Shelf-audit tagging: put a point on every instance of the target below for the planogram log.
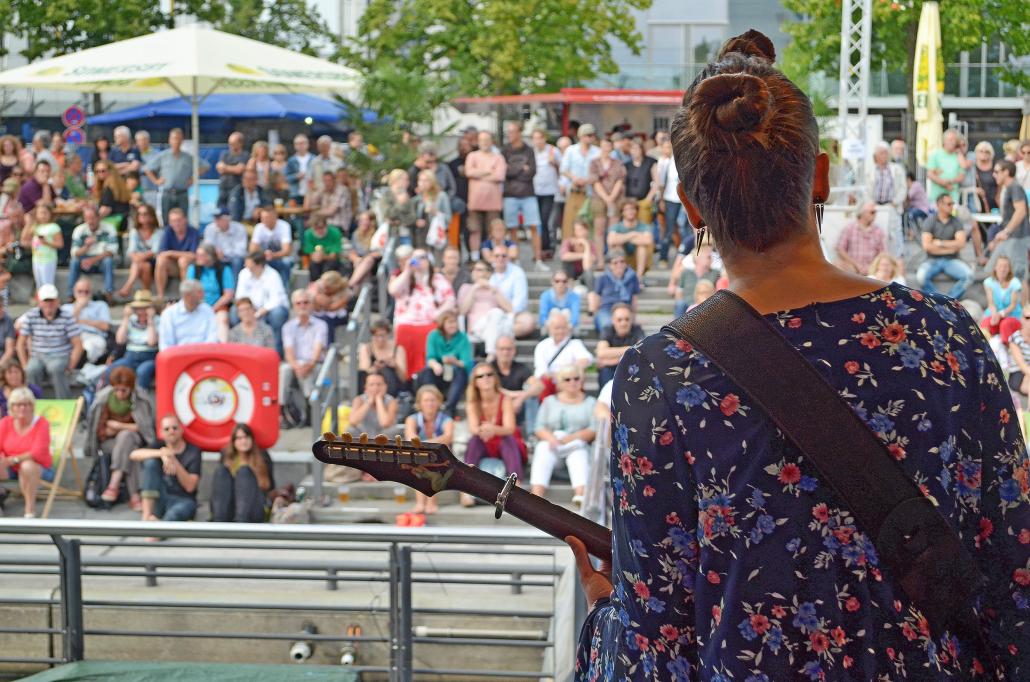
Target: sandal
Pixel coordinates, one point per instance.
(110, 495)
(135, 503)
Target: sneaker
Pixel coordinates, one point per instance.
(542, 266)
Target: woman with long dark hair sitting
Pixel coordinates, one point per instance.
(242, 480)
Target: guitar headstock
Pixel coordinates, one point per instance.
(426, 467)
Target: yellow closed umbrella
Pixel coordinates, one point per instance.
(928, 83)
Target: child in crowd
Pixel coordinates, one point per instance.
(46, 240)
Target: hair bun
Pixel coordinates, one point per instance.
(752, 43)
(737, 101)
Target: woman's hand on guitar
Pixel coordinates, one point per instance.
(596, 584)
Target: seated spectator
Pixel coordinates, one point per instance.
(616, 339)
(93, 318)
(486, 309)
(138, 333)
(703, 290)
(1019, 353)
(170, 474)
(49, 346)
(686, 274)
(384, 355)
(246, 199)
(492, 428)
(250, 331)
(617, 284)
(331, 204)
(431, 425)
(1004, 299)
(363, 256)
(218, 282)
(45, 239)
(36, 188)
(560, 297)
(633, 236)
(24, 446)
(229, 238)
(454, 270)
(517, 382)
(943, 240)
(8, 334)
(917, 203)
(94, 247)
(304, 341)
(12, 376)
(322, 244)
(433, 208)
(448, 360)
(189, 321)
(120, 420)
(330, 300)
(272, 236)
(278, 191)
(564, 431)
(497, 236)
(861, 241)
(396, 206)
(111, 194)
(886, 268)
(420, 295)
(144, 243)
(264, 288)
(510, 280)
(374, 411)
(603, 406)
(178, 248)
(578, 255)
(242, 481)
(558, 350)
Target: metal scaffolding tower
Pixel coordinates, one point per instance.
(853, 97)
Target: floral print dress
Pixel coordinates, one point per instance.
(732, 560)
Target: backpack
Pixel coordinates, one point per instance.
(97, 479)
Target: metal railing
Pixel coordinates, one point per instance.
(396, 565)
(325, 395)
(356, 333)
(597, 501)
(383, 275)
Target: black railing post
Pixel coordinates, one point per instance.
(71, 598)
(404, 592)
(395, 620)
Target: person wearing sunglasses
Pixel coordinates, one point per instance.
(492, 428)
(943, 239)
(170, 474)
(560, 297)
(617, 284)
(1013, 239)
(564, 431)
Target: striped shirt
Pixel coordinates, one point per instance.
(49, 337)
(105, 240)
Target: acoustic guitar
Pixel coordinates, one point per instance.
(431, 468)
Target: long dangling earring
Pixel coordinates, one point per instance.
(699, 237)
(819, 209)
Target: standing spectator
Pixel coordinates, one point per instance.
(685, 275)
(45, 239)
(885, 185)
(111, 194)
(245, 200)
(124, 156)
(120, 420)
(861, 241)
(138, 333)
(374, 411)
(944, 170)
(575, 169)
(617, 284)
(558, 350)
(1004, 306)
(616, 339)
(218, 282)
(545, 186)
(1013, 239)
(172, 171)
(432, 211)
(37, 188)
(170, 475)
(231, 164)
(332, 203)
(492, 428)
(144, 242)
(304, 341)
(242, 481)
(146, 155)
(510, 280)
(94, 246)
(633, 236)
(986, 195)
(250, 331)
(297, 168)
(448, 360)
(260, 162)
(427, 160)
(24, 447)
(49, 345)
(396, 205)
(641, 181)
(668, 177)
(189, 321)
(517, 382)
(278, 165)
(560, 297)
(177, 250)
(608, 180)
(943, 240)
(564, 431)
(520, 205)
(486, 309)
(578, 254)
(273, 237)
(459, 202)
(620, 147)
(229, 238)
(485, 170)
(383, 355)
(324, 162)
(57, 153)
(93, 318)
(431, 425)
(41, 148)
(1023, 167)
(322, 244)
(10, 149)
(420, 294)
(263, 286)
(899, 152)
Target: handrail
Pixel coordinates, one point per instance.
(327, 387)
(596, 500)
(386, 264)
(358, 331)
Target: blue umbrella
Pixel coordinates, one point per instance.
(294, 107)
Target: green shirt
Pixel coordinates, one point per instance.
(332, 242)
(437, 348)
(41, 253)
(947, 166)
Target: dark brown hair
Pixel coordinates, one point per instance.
(255, 459)
(745, 143)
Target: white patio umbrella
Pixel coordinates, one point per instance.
(928, 83)
(191, 61)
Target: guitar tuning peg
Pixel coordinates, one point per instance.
(347, 438)
(381, 439)
(363, 439)
(416, 441)
(398, 441)
(329, 436)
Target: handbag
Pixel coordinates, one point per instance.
(915, 543)
(436, 233)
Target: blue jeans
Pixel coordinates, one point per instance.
(106, 266)
(952, 267)
(169, 507)
(141, 362)
(282, 266)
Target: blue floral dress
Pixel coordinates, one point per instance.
(732, 560)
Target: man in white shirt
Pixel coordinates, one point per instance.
(273, 237)
(545, 184)
(229, 239)
(263, 286)
(575, 168)
(189, 321)
(510, 279)
(559, 349)
(297, 174)
(304, 340)
(93, 318)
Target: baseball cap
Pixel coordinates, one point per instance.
(47, 292)
(586, 129)
(221, 212)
